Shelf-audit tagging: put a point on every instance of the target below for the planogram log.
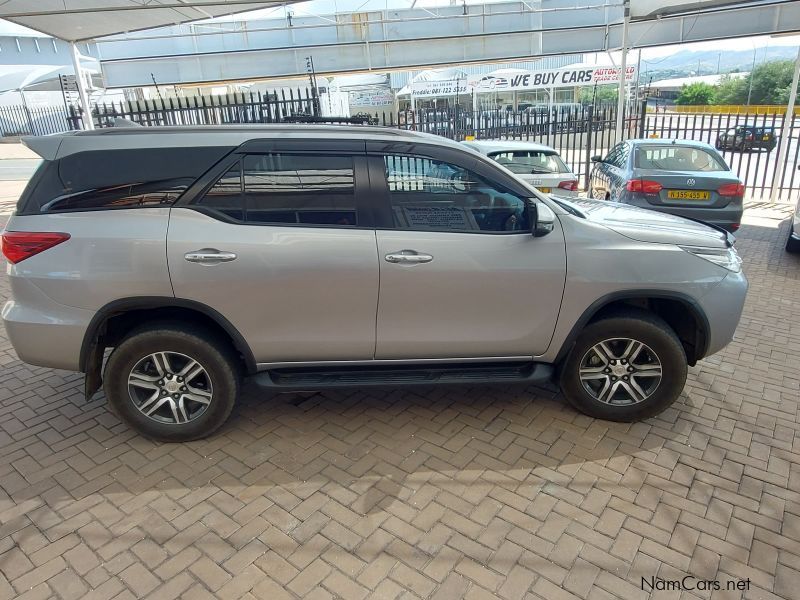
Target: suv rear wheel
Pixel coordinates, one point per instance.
(172, 382)
(624, 368)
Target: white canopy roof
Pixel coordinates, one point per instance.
(75, 20)
(41, 78)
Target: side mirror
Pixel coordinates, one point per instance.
(597, 158)
(541, 217)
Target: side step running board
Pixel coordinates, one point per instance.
(312, 378)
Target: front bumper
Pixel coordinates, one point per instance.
(723, 307)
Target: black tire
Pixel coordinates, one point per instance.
(792, 245)
(220, 379)
(637, 325)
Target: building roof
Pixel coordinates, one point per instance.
(678, 82)
(76, 20)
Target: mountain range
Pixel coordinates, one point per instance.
(685, 63)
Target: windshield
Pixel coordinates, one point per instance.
(677, 158)
(526, 162)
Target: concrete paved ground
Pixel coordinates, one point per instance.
(482, 492)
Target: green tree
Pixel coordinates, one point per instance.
(696, 93)
(770, 79)
(770, 85)
(731, 90)
(600, 94)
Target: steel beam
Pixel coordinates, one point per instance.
(409, 39)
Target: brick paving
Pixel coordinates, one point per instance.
(484, 492)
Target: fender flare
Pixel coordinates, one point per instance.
(595, 307)
(124, 305)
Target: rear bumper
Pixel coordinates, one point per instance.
(42, 331)
(728, 217)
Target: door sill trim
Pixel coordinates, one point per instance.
(318, 378)
(265, 366)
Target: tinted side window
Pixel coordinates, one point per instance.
(287, 189)
(429, 195)
(132, 195)
(119, 178)
(300, 189)
(613, 156)
(225, 196)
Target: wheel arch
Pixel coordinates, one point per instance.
(673, 307)
(120, 314)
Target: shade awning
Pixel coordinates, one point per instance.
(41, 78)
(78, 20)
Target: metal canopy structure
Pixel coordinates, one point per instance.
(79, 20)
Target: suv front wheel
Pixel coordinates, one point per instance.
(172, 382)
(624, 368)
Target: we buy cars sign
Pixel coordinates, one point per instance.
(531, 80)
(551, 78)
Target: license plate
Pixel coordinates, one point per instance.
(544, 190)
(688, 195)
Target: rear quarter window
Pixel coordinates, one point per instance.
(114, 179)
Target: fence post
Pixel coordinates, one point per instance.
(642, 117)
(587, 159)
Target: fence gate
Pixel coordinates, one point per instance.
(749, 144)
(210, 110)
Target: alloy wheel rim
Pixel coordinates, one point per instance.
(170, 388)
(620, 371)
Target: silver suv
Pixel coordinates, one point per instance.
(308, 257)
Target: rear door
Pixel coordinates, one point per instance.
(461, 274)
(278, 242)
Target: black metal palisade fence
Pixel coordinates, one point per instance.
(576, 132)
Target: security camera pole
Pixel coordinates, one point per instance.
(622, 68)
(783, 144)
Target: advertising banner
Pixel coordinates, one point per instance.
(375, 97)
(573, 76)
(555, 78)
(450, 87)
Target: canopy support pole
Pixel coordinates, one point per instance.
(783, 145)
(622, 68)
(86, 112)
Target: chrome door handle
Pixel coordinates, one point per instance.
(209, 256)
(408, 257)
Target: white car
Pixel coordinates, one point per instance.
(536, 164)
(793, 243)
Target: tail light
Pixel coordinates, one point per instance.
(571, 186)
(643, 186)
(731, 189)
(735, 226)
(19, 245)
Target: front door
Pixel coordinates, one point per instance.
(279, 246)
(461, 274)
